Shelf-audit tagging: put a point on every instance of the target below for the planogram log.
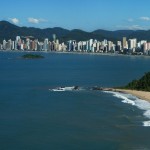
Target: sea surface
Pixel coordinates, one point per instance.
(34, 117)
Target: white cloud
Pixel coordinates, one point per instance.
(43, 20)
(130, 20)
(36, 21)
(132, 27)
(33, 20)
(14, 20)
(135, 27)
(145, 18)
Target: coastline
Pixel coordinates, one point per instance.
(140, 94)
(78, 53)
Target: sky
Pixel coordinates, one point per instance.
(88, 15)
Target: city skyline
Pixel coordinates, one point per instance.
(129, 47)
(86, 15)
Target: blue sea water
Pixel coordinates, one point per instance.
(34, 118)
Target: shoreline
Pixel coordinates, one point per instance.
(78, 53)
(143, 95)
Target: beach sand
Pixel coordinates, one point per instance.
(140, 94)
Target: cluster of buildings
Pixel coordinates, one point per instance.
(131, 46)
(28, 44)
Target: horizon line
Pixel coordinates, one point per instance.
(73, 28)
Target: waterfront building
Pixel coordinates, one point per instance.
(57, 45)
(1, 46)
(111, 47)
(148, 46)
(12, 45)
(45, 46)
(80, 46)
(132, 44)
(53, 46)
(124, 43)
(27, 44)
(139, 45)
(84, 45)
(9, 45)
(49, 46)
(119, 45)
(40, 46)
(32, 45)
(97, 47)
(93, 46)
(54, 37)
(4, 44)
(90, 42)
(71, 45)
(22, 46)
(64, 47)
(105, 42)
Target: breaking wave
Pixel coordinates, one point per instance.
(134, 101)
(63, 89)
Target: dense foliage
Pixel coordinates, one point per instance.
(142, 84)
(32, 56)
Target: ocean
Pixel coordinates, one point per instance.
(33, 116)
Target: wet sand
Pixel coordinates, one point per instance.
(140, 94)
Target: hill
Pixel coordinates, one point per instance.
(143, 84)
(10, 31)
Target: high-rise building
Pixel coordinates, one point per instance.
(45, 44)
(110, 44)
(1, 46)
(105, 42)
(18, 38)
(124, 43)
(9, 45)
(132, 43)
(54, 37)
(13, 45)
(90, 42)
(28, 44)
(71, 45)
(119, 44)
(4, 44)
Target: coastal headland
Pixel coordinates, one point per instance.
(139, 88)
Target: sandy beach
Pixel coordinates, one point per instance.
(140, 94)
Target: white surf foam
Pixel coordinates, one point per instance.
(69, 88)
(146, 123)
(126, 98)
(62, 89)
(132, 100)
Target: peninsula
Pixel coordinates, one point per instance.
(139, 88)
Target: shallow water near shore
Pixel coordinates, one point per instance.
(34, 118)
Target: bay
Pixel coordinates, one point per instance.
(34, 118)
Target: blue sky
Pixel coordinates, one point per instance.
(87, 15)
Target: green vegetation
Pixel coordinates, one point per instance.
(142, 84)
(32, 56)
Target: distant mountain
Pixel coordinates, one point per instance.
(10, 31)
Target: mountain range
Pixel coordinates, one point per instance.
(10, 31)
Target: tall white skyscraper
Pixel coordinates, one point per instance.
(132, 43)
(46, 44)
(18, 38)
